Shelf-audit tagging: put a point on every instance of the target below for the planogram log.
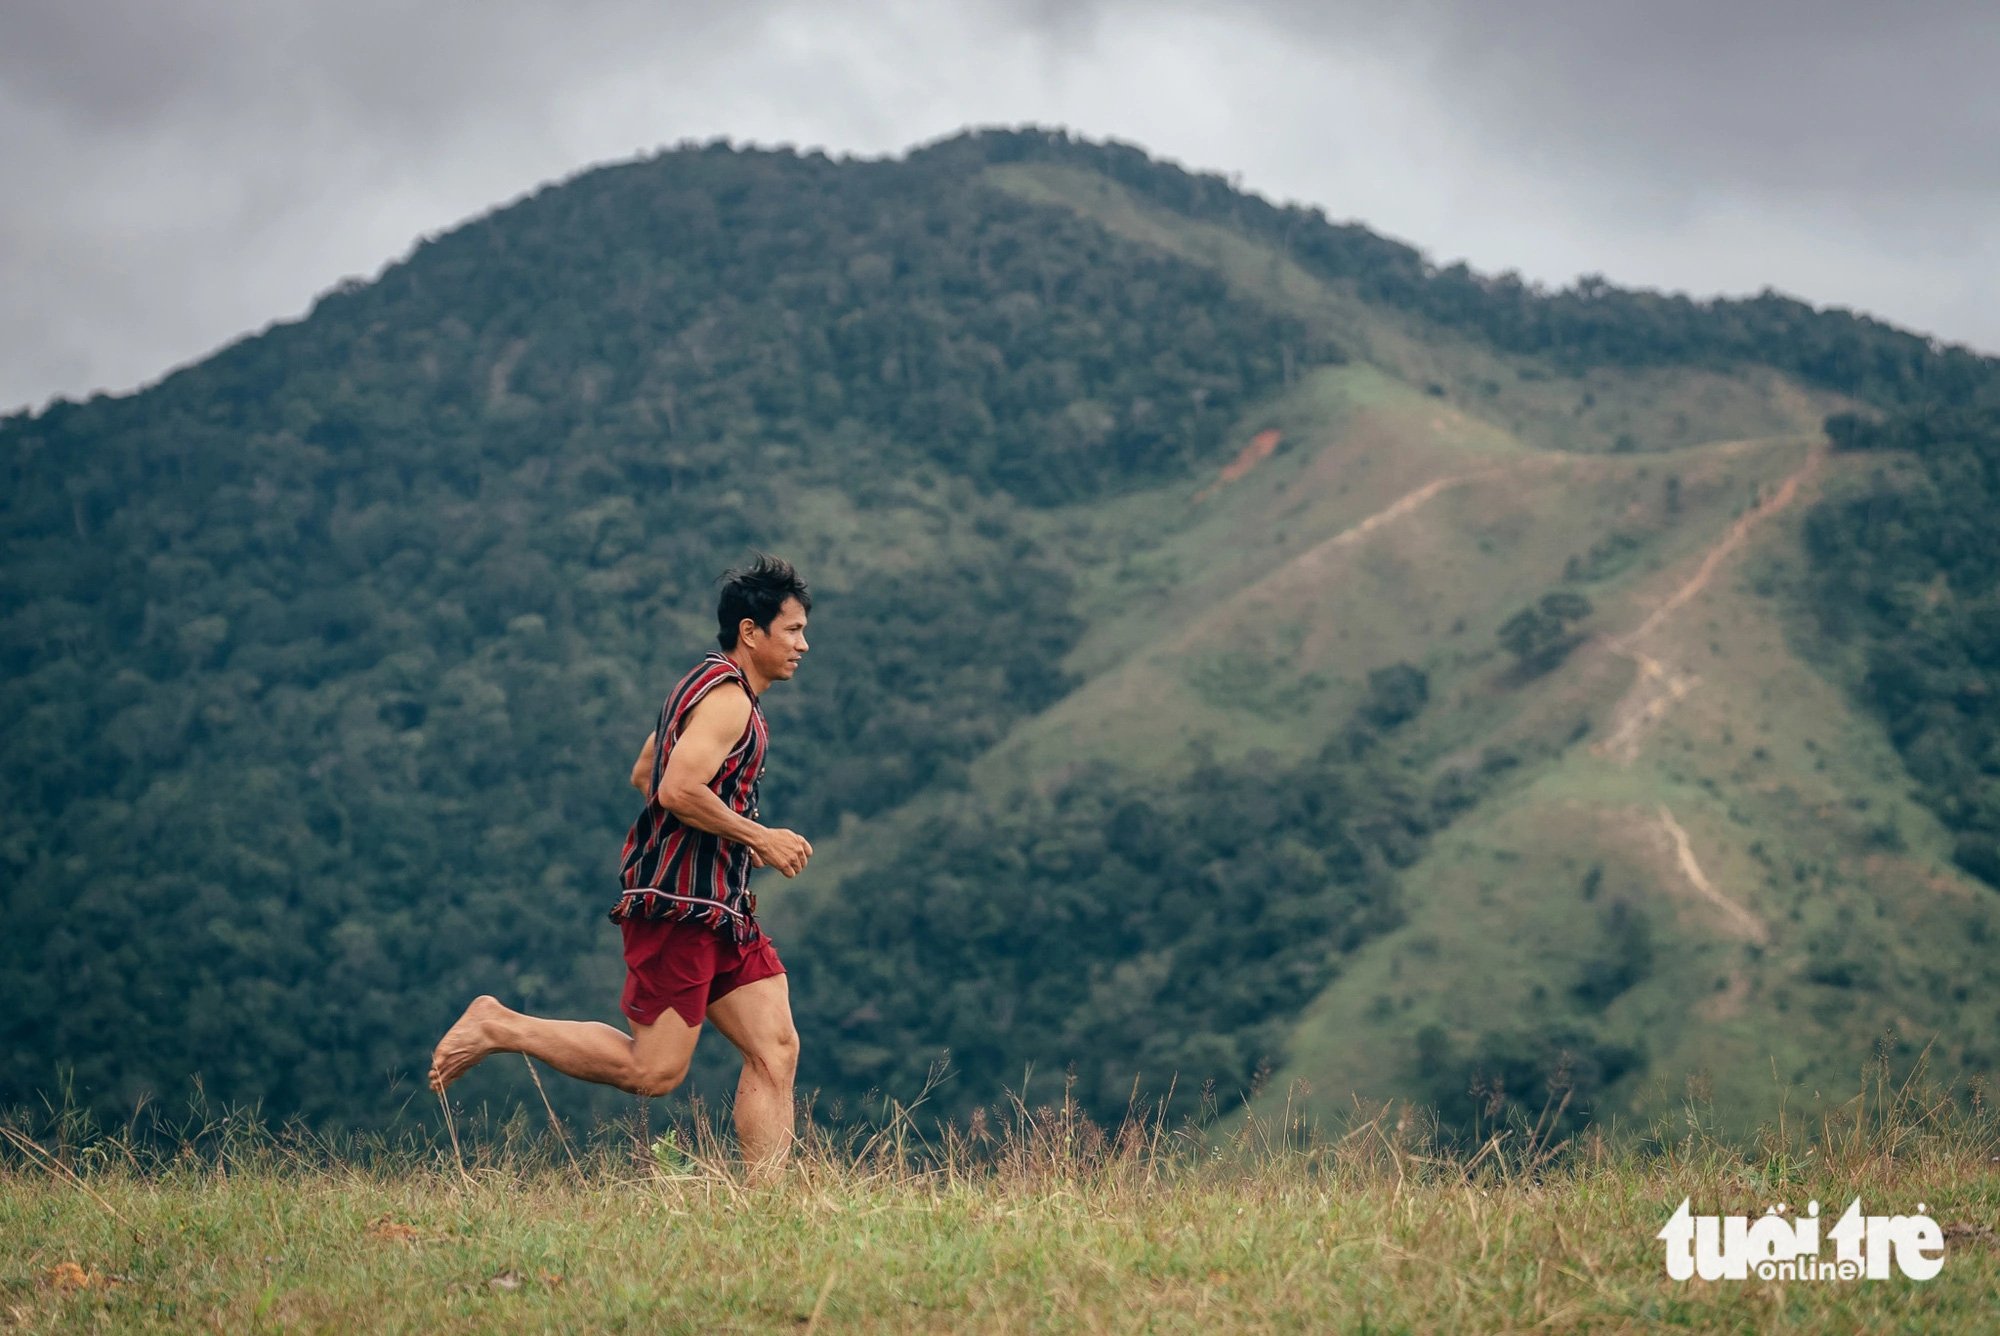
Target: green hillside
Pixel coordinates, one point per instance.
(1243, 652)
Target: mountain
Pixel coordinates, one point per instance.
(1245, 653)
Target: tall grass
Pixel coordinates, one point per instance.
(1033, 1217)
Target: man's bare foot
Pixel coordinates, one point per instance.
(468, 1041)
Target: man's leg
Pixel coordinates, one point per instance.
(652, 1061)
(757, 1018)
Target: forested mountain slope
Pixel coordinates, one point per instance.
(1225, 618)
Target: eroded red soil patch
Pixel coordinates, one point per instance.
(1249, 457)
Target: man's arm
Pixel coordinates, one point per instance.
(704, 744)
(642, 769)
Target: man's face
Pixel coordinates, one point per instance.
(777, 652)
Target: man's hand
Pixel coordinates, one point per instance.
(785, 850)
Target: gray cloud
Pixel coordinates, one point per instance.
(1795, 96)
(177, 175)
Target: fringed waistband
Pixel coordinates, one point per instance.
(650, 902)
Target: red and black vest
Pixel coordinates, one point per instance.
(671, 870)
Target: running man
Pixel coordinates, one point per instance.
(693, 948)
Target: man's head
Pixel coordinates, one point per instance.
(761, 616)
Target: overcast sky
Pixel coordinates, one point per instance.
(175, 175)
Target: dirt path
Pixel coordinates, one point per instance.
(1309, 561)
(1657, 691)
(1729, 542)
(1661, 685)
(1735, 917)
(1388, 514)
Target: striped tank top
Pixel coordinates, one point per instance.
(670, 869)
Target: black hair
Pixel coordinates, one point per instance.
(757, 591)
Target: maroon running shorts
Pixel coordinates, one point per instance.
(686, 966)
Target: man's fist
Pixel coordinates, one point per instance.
(785, 850)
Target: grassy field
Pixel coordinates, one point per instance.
(1045, 1224)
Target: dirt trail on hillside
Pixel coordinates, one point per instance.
(1734, 916)
(1398, 508)
(1309, 561)
(1661, 686)
(1729, 542)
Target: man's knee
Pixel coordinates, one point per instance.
(778, 1054)
(654, 1082)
